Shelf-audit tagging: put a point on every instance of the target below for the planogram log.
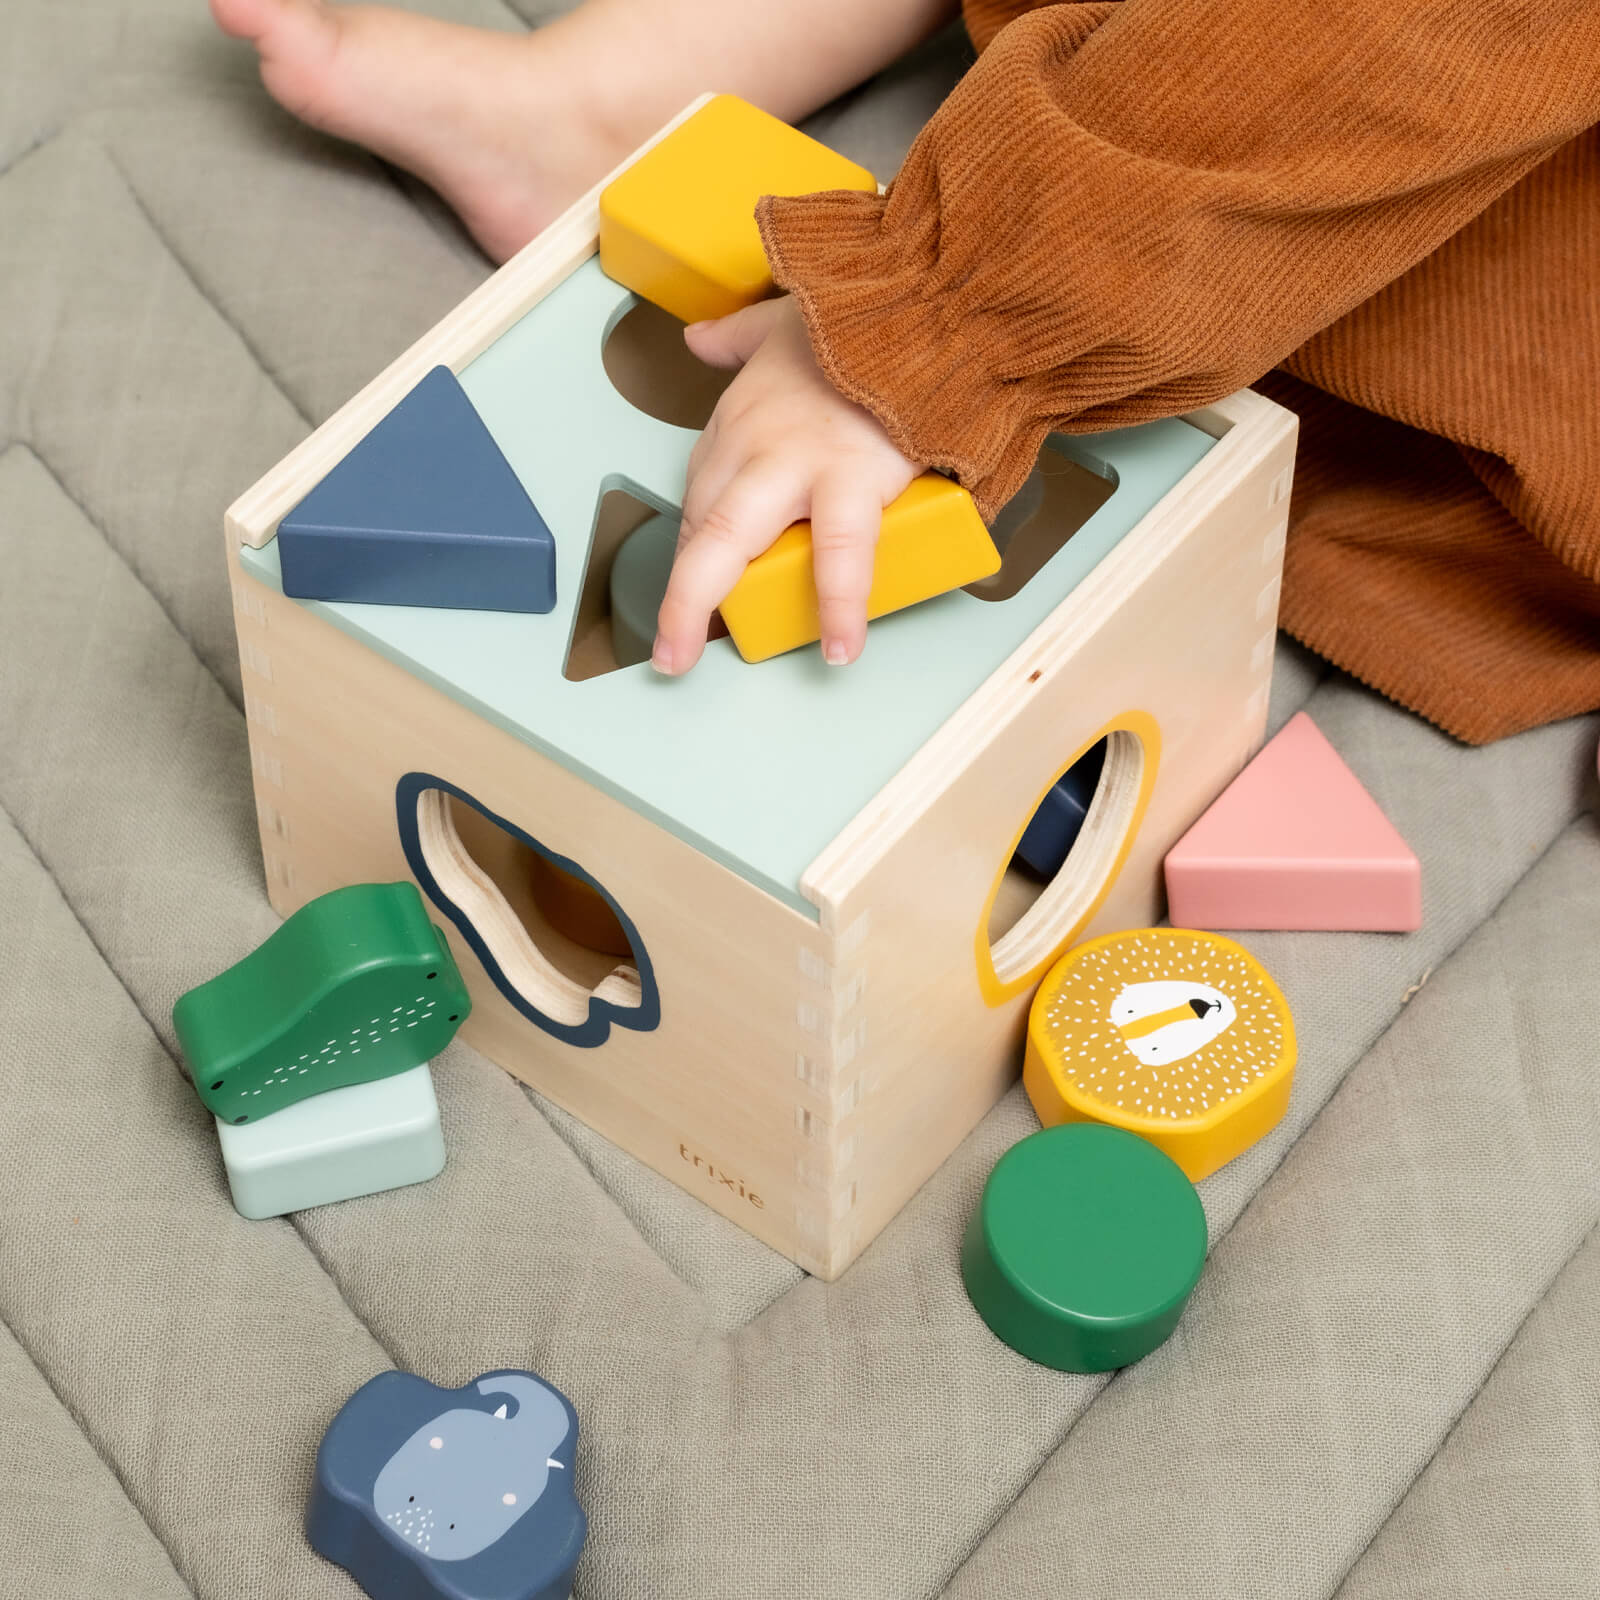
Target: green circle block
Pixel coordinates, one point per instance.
(1085, 1247)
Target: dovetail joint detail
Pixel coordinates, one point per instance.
(255, 659)
(273, 821)
(1272, 545)
(266, 766)
(813, 966)
(261, 713)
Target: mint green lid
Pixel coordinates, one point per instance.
(1085, 1247)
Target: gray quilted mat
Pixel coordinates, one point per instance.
(1387, 1385)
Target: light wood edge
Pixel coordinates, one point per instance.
(496, 305)
(1068, 897)
(1253, 424)
(524, 965)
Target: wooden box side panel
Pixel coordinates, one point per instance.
(1179, 626)
(728, 1081)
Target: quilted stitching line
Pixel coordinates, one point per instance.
(292, 1223)
(22, 1344)
(1456, 1421)
(67, 492)
(32, 147)
(93, 1443)
(194, 282)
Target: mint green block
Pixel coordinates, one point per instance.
(348, 1142)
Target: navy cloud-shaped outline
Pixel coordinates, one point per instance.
(596, 1029)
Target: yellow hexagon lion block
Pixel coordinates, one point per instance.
(1178, 1036)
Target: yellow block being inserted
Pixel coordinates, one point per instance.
(931, 540)
(679, 228)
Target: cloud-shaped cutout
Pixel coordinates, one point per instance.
(611, 1003)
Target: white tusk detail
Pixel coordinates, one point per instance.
(501, 1413)
(552, 1462)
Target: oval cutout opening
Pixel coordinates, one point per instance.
(552, 940)
(1027, 921)
(651, 367)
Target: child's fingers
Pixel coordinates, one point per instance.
(705, 449)
(730, 341)
(758, 503)
(845, 515)
(711, 469)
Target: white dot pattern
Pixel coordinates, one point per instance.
(1093, 1063)
(414, 1524)
(368, 1034)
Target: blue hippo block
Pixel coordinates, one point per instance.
(423, 1493)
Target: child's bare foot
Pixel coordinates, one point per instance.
(491, 120)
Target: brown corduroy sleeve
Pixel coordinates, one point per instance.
(1127, 210)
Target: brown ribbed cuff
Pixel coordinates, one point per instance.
(911, 298)
(886, 342)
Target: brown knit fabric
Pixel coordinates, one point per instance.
(1128, 209)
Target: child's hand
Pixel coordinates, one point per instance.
(782, 444)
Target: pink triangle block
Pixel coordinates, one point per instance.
(1295, 841)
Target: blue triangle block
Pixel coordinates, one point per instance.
(425, 511)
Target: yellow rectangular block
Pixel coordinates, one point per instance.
(679, 228)
(931, 540)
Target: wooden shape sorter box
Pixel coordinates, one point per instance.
(830, 962)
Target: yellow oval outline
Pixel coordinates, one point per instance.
(1143, 727)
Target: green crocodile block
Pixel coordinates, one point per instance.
(357, 985)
